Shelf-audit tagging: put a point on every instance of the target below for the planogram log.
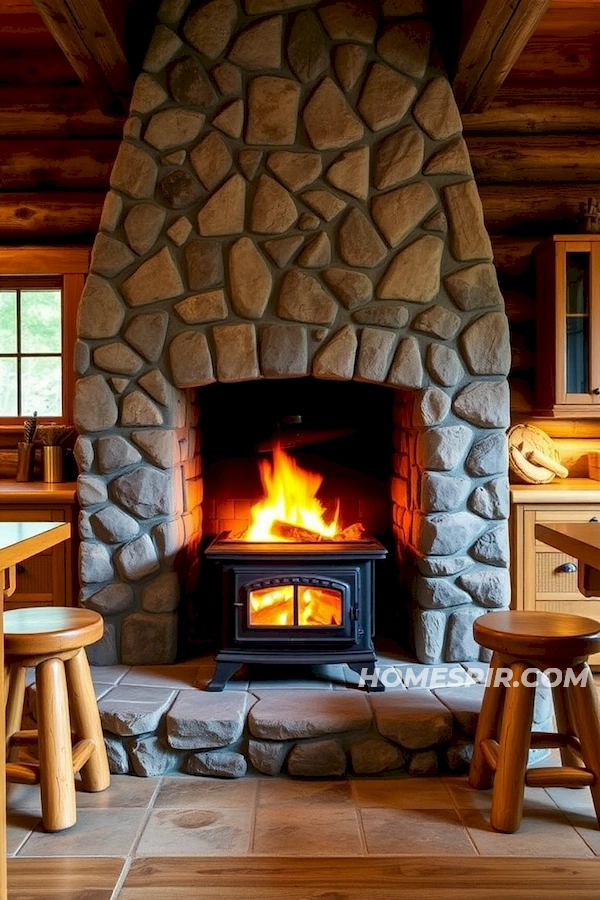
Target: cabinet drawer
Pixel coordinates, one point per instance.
(550, 578)
(577, 514)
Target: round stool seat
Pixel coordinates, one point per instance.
(46, 630)
(538, 635)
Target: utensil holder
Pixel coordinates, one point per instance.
(53, 464)
(24, 461)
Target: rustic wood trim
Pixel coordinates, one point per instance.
(539, 106)
(92, 38)
(493, 41)
(44, 260)
(72, 288)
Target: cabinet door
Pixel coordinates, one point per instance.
(41, 580)
(577, 322)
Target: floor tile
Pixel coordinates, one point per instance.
(19, 825)
(435, 832)
(285, 685)
(97, 832)
(206, 793)
(466, 797)
(587, 828)
(196, 832)
(108, 674)
(572, 800)
(289, 792)
(125, 791)
(306, 831)
(543, 832)
(162, 676)
(403, 792)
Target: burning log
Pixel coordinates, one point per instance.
(294, 533)
(301, 535)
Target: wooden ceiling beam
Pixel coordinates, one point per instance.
(91, 34)
(494, 34)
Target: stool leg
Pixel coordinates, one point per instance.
(564, 722)
(14, 702)
(480, 772)
(95, 774)
(57, 784)
(515, 738)
(583, 702)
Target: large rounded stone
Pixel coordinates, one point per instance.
(173, 127)
(460, 643)
(486, 345)
(94, 408)
(443, 493)
(137, 559)
(283, 351)
(267, 757)
(488, 587)
(217, 763)
(317, 759)
(489, 456)
(439, 593)
(491, 500)
(399, 157)
(407, 369)
(436, 110)
(349, 20)
(156, 279)
(329, 120)
(138, 409)
(83, 452)
(306, 48)
(223, 213)
(101, 312)
(452, 159)
(406, 45)
(209, 27)
(147, 333)
(191, 361)
(204, 264)
(111, 211)
(468, 236)
(371, 755)
(349, 61)
(359, 243)
(385, 98)
(179, 189)
(207, 307)
(443, 448)
(259, 46)
(386, 314)
(111, 600)
(374, 355)
(211, 160)
(147, 94)
(301, 298)
(163, 47)
(94, 563)
(273, 209)
(272, 111)
(413, 719)
(484, 403)
(444, 364)
(91, 490)
(324, 203)
(109, 256)
(398, 212)
(474, 287)
(352, 288)
(295, 170)
(432, 407)
(492, 547)
(117, 357)
(113, 526)
(350, 172)
(134, 172)
(148, 639)
(155, 384)
(429, 627)
(336, 359)
(142, 225)
(237, 355)
(161, 594)
(231, 119)
(446, 534)
(189, 85)
(145, 492)
(161, 447)
(414, 273)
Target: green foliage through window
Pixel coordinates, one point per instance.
(31, 352)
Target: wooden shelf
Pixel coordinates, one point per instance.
(32, 492)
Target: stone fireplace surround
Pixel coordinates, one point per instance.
(292, 196)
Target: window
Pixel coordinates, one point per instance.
(40, 289)
(31, 347)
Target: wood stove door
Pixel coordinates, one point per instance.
(291, 609)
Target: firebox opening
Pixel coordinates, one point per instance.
(340, 431)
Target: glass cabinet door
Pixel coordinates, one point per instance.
(577, 325)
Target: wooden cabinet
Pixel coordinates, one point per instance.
(541, 577)
(568, 326)
(50, 578)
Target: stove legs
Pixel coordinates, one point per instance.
(223, 672)
(369, 673)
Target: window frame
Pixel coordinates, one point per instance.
(68, 266)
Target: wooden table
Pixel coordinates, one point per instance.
(18, 541)
(581, 540)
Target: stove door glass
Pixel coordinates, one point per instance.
(295, 605)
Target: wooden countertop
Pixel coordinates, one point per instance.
(32, 492)
(578, 539)
(561, 490)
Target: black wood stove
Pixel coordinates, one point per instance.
(296, 603)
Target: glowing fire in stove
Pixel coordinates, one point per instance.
(290, 498)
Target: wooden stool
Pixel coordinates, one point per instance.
(525, 641)
(51, 639)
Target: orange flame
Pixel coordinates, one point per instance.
(290, 497)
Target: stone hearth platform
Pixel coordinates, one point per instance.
(307, 722)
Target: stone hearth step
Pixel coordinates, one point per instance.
(199, 720)
(280, 715)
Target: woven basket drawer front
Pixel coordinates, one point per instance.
(548, 577)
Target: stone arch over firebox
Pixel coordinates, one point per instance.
(292, 196)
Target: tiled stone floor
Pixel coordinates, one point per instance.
(262, 816)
